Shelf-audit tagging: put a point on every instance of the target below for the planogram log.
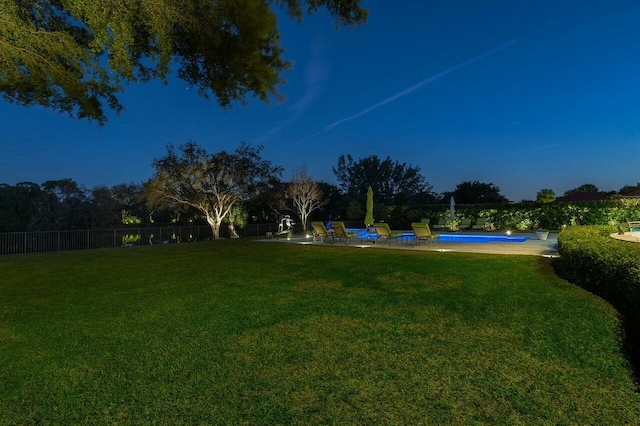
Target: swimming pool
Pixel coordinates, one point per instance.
(363, 233)
(448, 238)
(470, 238)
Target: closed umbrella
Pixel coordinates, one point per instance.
(368, 218)
(452, 208)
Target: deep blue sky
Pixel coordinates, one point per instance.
(525, 95)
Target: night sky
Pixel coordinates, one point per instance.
(525, 95)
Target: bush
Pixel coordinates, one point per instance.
(524, 216)
(605, 266)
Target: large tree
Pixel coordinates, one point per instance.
(587, 187)
(105, 211)
(305, 194)
(335, 200)
(211, 183)
(75, 55)
(392, 182)
(476, 192)
(62, 205)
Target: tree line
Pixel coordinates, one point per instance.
(192, 186)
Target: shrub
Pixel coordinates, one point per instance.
(605, 266)
(525, 215)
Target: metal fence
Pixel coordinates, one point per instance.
(46, 241)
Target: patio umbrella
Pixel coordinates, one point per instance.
(368, 218)
(452, 208)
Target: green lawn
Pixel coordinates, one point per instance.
(246, 332)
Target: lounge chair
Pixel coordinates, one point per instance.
(442, 223)
(340, 232)
(480, 225)
(320, 230)
(423, 233)
(385, 234)
(425, 220)
(465, 224)
(634, 226)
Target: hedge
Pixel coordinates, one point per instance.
(602, 265)
(524, 215)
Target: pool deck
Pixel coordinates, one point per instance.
(633, 237)
(532, 247)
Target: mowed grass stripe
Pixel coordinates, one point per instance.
(250, 332)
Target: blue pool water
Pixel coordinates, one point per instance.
(470, 238)
(363, 234)
(450, 238)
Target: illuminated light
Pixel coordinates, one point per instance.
(508, 232)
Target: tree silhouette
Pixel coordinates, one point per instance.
(477, 193)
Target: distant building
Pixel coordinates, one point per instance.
(633, 194)
(582, 196)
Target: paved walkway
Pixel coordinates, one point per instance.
(532, 246)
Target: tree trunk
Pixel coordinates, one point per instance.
(232, 230)
(215, 227)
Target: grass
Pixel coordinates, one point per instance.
(244, 332)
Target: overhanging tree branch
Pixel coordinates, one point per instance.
(226, 49)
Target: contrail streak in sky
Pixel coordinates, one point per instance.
(424, 82)
(538, 148)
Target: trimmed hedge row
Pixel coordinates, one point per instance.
(602, 265)
(525, 215)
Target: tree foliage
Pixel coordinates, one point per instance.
(105, 210)
(62, 205)
(629, 188)
(237, 216)
(17, 204)
(305, 194)
(476, 192)
(129, 196)
(545, 196)
(211, 183)
(392, 182)
(74, 55)
(587, 187)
